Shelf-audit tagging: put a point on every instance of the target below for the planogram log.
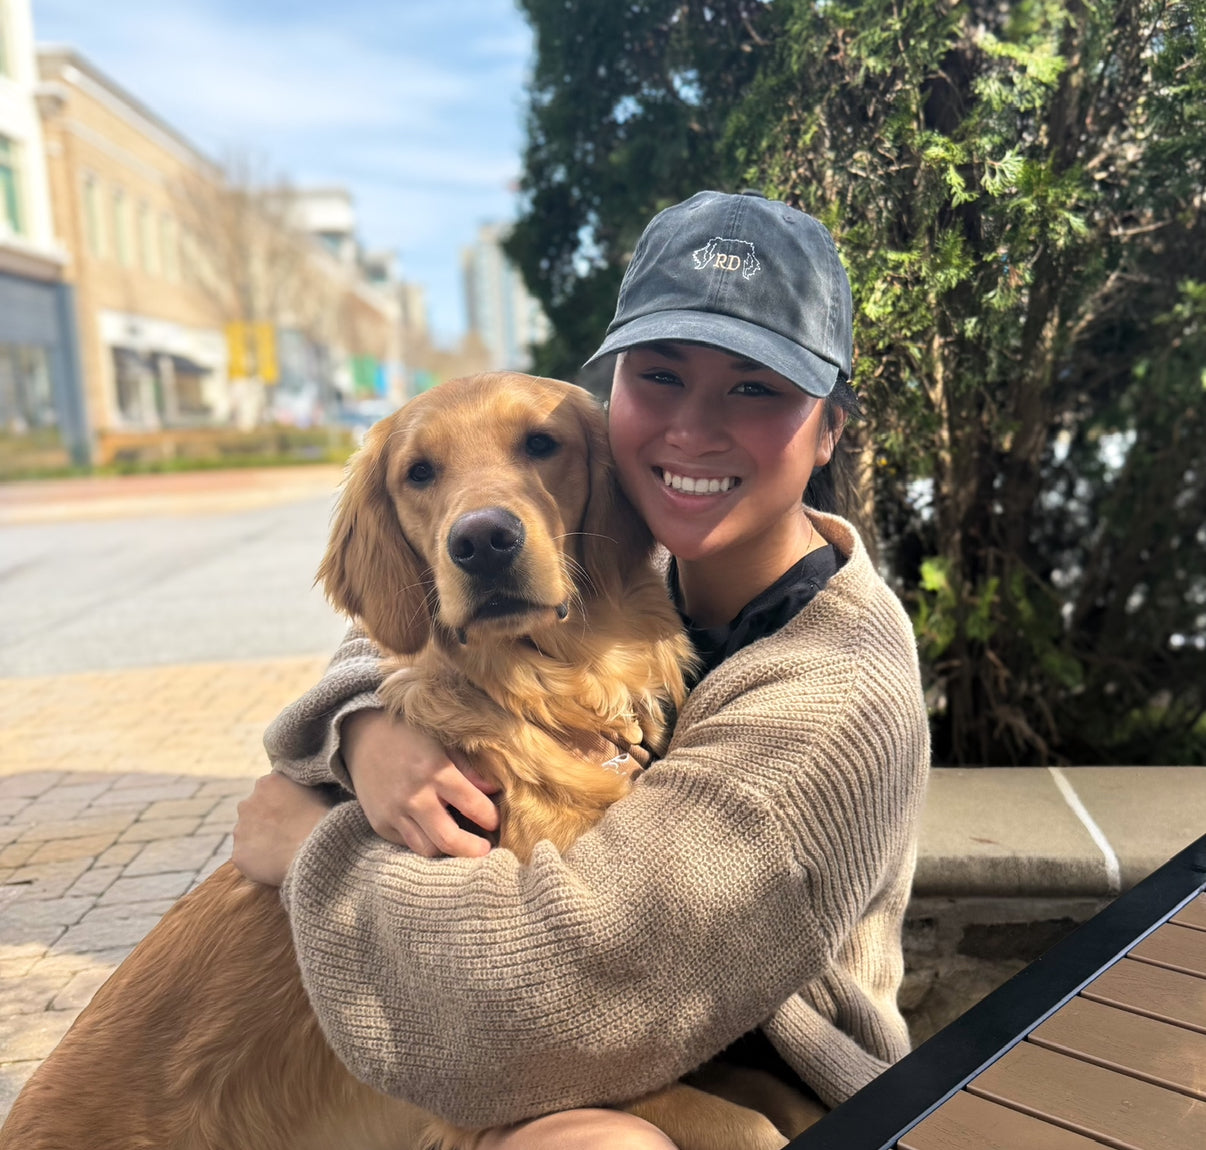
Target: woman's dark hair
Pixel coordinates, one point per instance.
(841, 404)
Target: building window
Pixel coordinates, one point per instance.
(121, 227)
(92, 217)
(146, 240)
(6, 65)
(10, 188)
(169, 249)
(26, 395)
(186, 255)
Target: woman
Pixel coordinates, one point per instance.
(746, 898)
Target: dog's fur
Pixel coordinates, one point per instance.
(203, 1039)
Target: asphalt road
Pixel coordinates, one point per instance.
(141, 589)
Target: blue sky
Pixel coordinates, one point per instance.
(416, 106)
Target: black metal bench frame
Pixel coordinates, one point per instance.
(884, 1110)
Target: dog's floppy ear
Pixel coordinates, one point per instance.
(614, 537)
(369, 569)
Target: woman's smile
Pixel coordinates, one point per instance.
(696, 485)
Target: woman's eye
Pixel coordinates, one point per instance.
(540, 446)
(661, 376)
(421, 473)
(754, 388)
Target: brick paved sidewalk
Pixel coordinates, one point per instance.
(117, 795)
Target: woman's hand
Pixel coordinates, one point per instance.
(273, 822)
(406, 782)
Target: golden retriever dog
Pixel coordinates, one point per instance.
(481, 540)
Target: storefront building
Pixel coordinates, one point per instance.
(43, 421)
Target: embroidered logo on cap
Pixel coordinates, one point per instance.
(728, 255)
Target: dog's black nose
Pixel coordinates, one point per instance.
(485, 542)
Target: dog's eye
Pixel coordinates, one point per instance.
(421, 473)
(540, 446)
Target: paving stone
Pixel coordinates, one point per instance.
(32, 993)
(64, 849)
(94, 881)
(134, 780)
(145, 887)
(95, 777)
(17, 964)
(104, 823)
(19, 937)
(77, 788)
(155, 829)
(24, 1037)
(50, 810)
(106, 933)
(68, 963)
(13, 1076)
(47, 911)
(12, 806)
(216, 826)
(154, 908)
(227, 809)
(48, 879)
(118, 854)
(16, 854)
(16, 953)
(181, 808)
(29, 785)
(190, 852)
(185, 789)
(237, 788)
(79, 991)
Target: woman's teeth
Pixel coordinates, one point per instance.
(697, 486)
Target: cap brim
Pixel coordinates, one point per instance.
(807, 371)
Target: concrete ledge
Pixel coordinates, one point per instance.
(1011, 860)
(1061, 832)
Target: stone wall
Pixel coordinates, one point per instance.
(957, 950)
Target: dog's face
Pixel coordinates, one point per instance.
(488, 505)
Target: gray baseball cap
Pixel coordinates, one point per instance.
(748, 275)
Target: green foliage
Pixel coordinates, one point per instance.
(1017, 191)
(626, 108)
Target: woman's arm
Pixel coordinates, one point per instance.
(337, 732)
(488, 992)
(305, 741)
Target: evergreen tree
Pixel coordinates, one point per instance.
(626, 108)
(1017, 190)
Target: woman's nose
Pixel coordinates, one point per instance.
(696, 425)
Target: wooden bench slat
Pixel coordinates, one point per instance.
(1093, 1101)
(966, 1122)
(1192, 913)
(1155, 991)
(1177, 947)
(1129, 1043)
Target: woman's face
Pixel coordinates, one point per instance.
(713, 450)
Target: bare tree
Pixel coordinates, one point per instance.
(253, 262)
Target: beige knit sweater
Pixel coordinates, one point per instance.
(758, 874)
